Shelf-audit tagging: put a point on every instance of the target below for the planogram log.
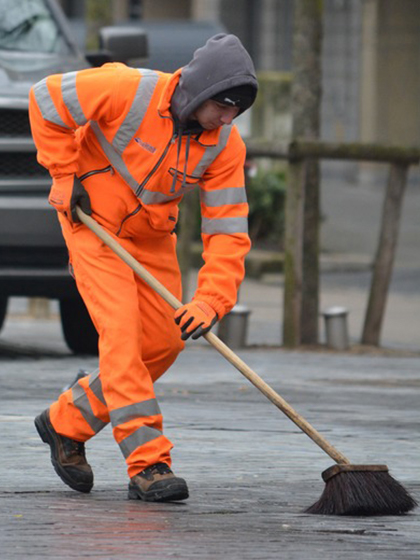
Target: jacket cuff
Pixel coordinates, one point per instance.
(63, 178)
(215, 304)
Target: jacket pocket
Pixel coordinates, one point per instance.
(162, 217)
(107, 169)
(112, 200)
(128, 224)
(180, 184)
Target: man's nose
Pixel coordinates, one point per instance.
(229, 114)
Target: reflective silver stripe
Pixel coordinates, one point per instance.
(224, 225)
(137, 110)
(137, 439)
(81, 402)
(220, 197)
(131, 411)
(114, 157)
(95, 386)
(70, 98)
(46, 105)
(211, 152)
(155, 197)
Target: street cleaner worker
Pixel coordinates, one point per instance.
(126, 144)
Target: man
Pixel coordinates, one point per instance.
(126, 144)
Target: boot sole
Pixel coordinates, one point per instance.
(48, 437)
(176, 491)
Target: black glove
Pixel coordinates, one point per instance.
(79, 196)
(66, 192)
(195, 318)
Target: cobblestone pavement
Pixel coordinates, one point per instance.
(251, 472)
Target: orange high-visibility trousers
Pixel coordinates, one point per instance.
(138, 341)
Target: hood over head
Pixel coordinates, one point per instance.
(221, 64)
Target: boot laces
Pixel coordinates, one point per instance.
(73, 447)
(159, 468)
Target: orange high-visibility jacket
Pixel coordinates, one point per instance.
(117, 118)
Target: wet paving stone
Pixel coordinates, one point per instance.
(251, 472)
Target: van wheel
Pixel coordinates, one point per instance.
(3, 311)
(79, 332)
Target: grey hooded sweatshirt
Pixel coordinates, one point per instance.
(222, 63)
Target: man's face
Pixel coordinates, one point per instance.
(212, 114)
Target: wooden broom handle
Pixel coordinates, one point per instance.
(220, 346)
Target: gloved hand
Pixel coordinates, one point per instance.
(195, 318)
(65, 193)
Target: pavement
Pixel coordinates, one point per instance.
(250, 470)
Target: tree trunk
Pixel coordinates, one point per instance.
(98, 14)
(310, 266)
(302, 280)
(382, 271)
(293, 245)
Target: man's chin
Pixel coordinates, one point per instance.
(210, 126)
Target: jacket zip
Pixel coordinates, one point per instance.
(133, 213)
(95, 171)
(162, 157)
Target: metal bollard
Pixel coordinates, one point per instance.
(233, 328)
(336, 327)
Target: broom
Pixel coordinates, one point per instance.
(349, 489)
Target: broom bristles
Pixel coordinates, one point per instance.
(363, 493)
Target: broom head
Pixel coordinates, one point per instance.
(361, 490)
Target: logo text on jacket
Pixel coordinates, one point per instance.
(145, 145)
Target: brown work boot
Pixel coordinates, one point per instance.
(67, 455)
(157, 484)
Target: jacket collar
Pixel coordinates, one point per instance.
(168, 90)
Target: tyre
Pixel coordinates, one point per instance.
(3, 311)
(79, 332)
